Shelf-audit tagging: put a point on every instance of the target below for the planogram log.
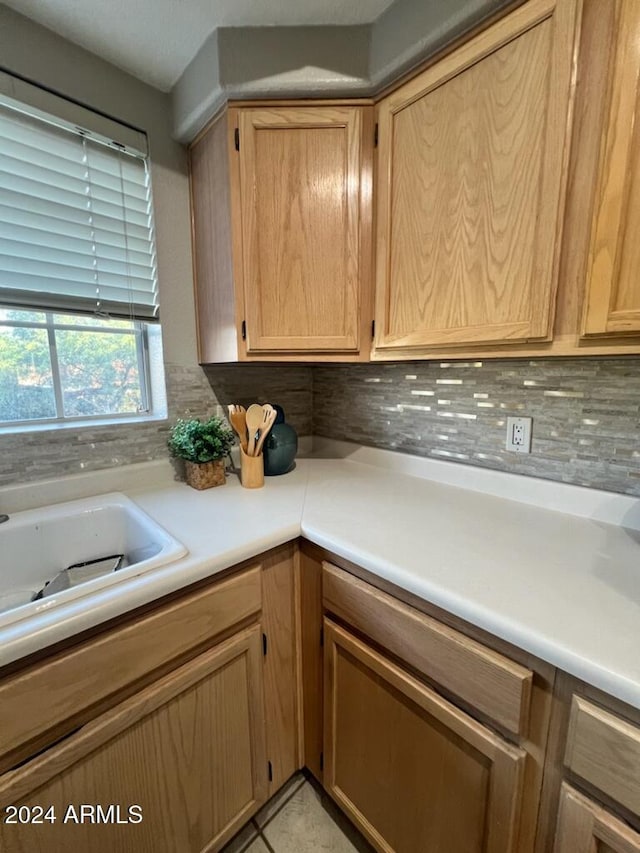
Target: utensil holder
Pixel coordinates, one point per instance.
(251, 470)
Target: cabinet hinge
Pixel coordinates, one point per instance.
(243, 330)
(270, 771)
(236, 138)
(375, 135)
(322, 761)
(373, 329)
(264, 645)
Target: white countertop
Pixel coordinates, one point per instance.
(563, 585)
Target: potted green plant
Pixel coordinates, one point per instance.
(203, 445)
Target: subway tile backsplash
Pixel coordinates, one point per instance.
(586, 414)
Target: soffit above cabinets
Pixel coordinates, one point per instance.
(328, 61)
(155, 40)
(208, 52)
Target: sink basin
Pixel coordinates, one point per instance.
(36, 545)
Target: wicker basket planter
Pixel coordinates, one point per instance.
(203, 446)
(205, 475)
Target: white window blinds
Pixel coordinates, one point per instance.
(76, 222)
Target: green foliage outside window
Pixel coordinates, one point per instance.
(98, 370)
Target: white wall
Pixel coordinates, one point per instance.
(44, 58)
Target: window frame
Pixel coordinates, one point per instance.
(51, 326)
(97, 127)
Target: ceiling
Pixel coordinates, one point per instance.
(156, 39)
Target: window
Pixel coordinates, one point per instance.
(56, 367)
(78, 284)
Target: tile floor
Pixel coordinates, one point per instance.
(298, 819)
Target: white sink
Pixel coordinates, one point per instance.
(37, 544)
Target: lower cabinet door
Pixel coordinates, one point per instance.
(585, 827)
(177, 768)
(411, 770)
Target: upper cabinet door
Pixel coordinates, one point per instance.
(612, 304)
(305, 208)
(471, 180)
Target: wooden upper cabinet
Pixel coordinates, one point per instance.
(304, 210)
(281, 222)
(471, 184)
(612, 304)
(218, 315)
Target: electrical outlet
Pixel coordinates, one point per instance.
(519, 435)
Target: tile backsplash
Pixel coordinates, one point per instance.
(286, 384)
(586, 414)
(191, 391)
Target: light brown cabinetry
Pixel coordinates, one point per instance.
(280, 623)
(188, 710)
(433, 735)
(281, 205)
(487, 681)
(81, 682)
(604, 750)
(506, 200)
(612, 304)
(413, 706)
(412, 770)
(423, 723)
(305, 208)
(591, 791)
(585, 827)
(470, 187)
(311, 676)
(188, 752)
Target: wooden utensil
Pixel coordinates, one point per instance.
(238, 420)
(254, 419)
(269, 420)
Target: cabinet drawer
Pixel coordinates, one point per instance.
(74, 681)
(486, 680)
(604, 749)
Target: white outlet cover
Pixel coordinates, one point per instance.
(519, 435)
